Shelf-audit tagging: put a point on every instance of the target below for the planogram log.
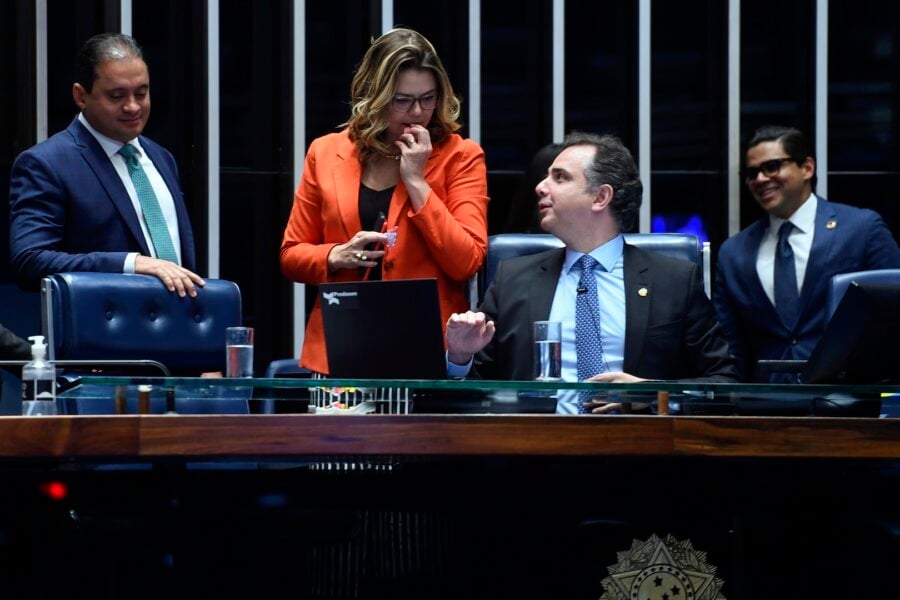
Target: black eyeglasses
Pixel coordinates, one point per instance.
(405, 103)
(768, 168)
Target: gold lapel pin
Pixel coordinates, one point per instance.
(831, 224)
(643, 292)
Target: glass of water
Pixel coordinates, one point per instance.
(547, 350)
(239, 352)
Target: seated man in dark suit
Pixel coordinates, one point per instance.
(632, 315)
(772, 278)
(99, 196)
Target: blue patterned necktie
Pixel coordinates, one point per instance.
(588, 345)
(156, 222)
(787, 298)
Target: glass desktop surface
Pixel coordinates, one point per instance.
(188, 395)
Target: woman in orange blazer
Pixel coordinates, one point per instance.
(399, 157)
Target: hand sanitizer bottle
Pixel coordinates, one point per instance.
(38, 381)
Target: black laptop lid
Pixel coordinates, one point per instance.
(383, 329)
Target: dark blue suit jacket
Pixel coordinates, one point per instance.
(670, 329)
(846, 239)
(70, 212)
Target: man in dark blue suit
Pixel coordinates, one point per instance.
(99, 196)
(763, 317)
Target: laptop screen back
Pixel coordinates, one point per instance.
(383, 329)
(861, 343)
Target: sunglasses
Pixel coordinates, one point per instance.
(768, 168)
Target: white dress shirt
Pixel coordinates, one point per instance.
(800, 239)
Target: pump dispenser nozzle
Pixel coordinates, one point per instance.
(38, 347)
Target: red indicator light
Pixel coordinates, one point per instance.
(55, 490)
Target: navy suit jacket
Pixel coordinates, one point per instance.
(69, 210)
(846, 239)
(670, 331)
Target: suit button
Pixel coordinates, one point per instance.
(794, 342)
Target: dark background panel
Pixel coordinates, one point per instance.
(689, 202)
(602, 70)
(69, 25)
(448, 32)
(877, 191)
(175, 52)
(777, 75)
(253, 216)
(257, 165)
(689, 73)
(864, 86)
(16, 123)
(516, 79)
(338, 34)
(516, 96)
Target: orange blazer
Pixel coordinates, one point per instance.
(446, 239)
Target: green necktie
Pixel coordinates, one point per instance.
(156, 222)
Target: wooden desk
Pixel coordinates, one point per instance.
(279, 437)
(500, 506)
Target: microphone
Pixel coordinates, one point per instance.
(581, 289)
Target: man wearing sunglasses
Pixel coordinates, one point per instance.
(772, 278)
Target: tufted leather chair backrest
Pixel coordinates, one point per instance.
(510, 245)
(92, 316)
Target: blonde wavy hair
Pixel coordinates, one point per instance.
(374, 84)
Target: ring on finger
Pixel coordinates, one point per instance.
(359, 256)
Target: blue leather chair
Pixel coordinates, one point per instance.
(290, 401)
(890, 405)
(510, 245)
(111, 315)
(286, 367)
(103, 316)
(840, 283)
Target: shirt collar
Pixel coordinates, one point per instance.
(109, 145)
(607, 254)
(804, 218)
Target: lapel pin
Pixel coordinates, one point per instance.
(831, 224)
(643, 292)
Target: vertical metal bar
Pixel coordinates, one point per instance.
(212, 136)
(299, 119)
(559, 70)
(734, 117)
(40, 69)
(125, 17)
(474, 100)
(387, 15)
(822, 97)
(644, 109)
